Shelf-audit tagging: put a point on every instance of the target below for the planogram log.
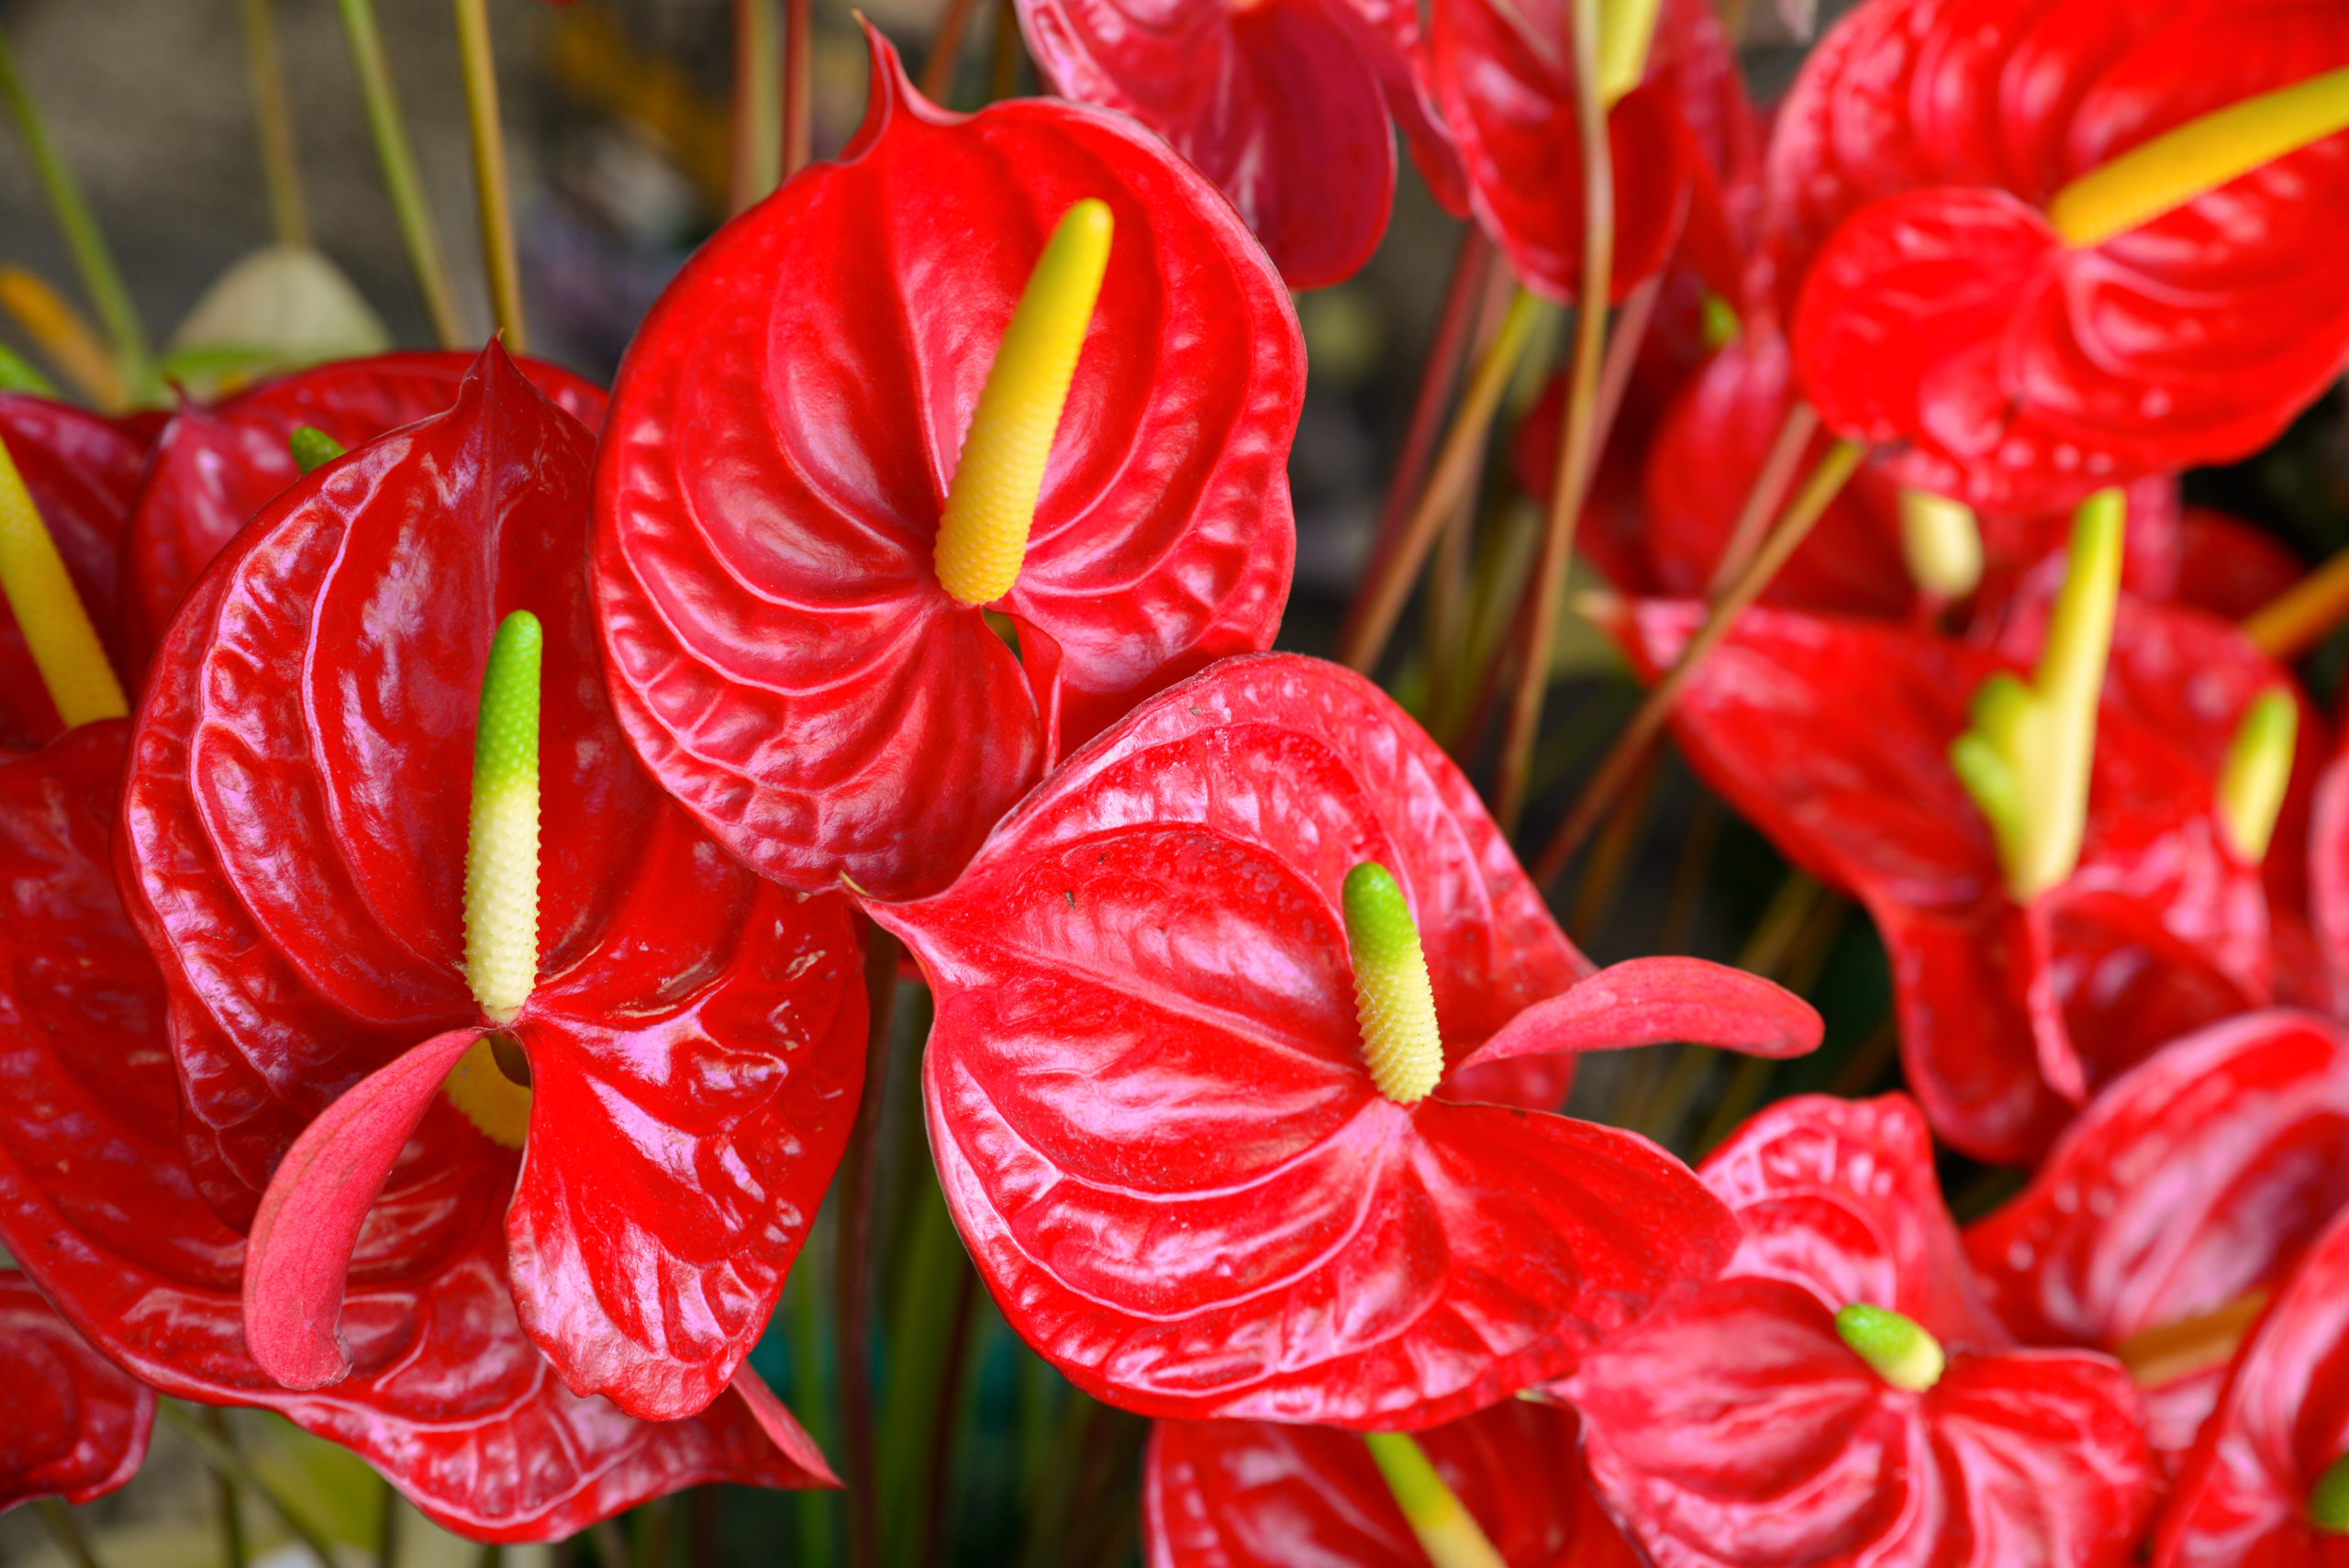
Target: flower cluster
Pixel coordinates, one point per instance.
(461, 829)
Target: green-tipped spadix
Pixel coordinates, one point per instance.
(983, 537)
(2329, 1498)
(2025, 759)
(1626, 29)
(2258, 767)
(502, 855)
(1393, 1001)
(55, 626)
(312, 448)
(1447, 1531)
(1897, 1347)
(2196, 158)
(1942, 543)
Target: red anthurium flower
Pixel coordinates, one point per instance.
(72, 1424)
(1833, 737)
(447, 1396)
(2174, 1205)
(1189, 1177)
(2024, 338)
(1288, 105)
(1503, 78)
(215, 465)
(1840, 1397)
(1260, 1495)
(295, 849)
(81, 470)
(783, 653)
(2264, 1487)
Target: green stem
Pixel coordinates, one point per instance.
(91, 255)
(400, 178)
(388, 1528)
(224, 1459)
(67, 1530)
(920, 1338)
(492, 191)
(811, 1399)
(755, 165)
(1577, 451)
(289, 215)
(798, 85)
(1447, 1532)
(945, 51)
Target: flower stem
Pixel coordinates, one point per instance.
(58, 331)
(400, 178)
(945, 51)
(289, 215)
(2171, 1351)
(798, 85)
(1380, 602)
(1577, 449)
(1826, 479)
(1447, 1532)
(91, 255)
(492, 191)
(2304, 615)
(67, 1531)
(225, 1459)
(853, 1278)
(1766, 496)
(754, 164)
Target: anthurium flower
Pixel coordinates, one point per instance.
(80, 470)
(1839, 1395)
(1192, 997)
(1835, 738)
(72, 1424)
(1290, 106)
(1504, 76)
(2174, 1207)
(2047, 248)
(1263, 1494)
(295, 839)
(797, 411)
(2264, 1484)
(447, 1397)
(217, 465)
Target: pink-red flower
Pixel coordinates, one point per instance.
(1151, 1110)
(1290, 106)
(1741, 1426)
(295, 840)
(779, 445)
(72, 1424)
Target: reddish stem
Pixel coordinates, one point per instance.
(854, 1281)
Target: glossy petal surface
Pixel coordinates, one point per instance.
(1149, 1105)
(2241, 1500)
(778, 456)
(1736, 1427)
(215, 465)
(1257, 1495)
(81, 470)
(1284, 104)
(72, 1424)
(448, 1398)
(295, 840)
(2197, 1176)
(1938, 310)
(1831, 737)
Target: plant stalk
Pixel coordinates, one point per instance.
(798, 85)
(67, 1531)
(754, 166)
(853, 1284)
(289, 215)
(946, 54)
(492, 193)
(400, 178)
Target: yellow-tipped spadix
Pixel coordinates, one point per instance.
(502, 854)
(2198, 157)
(56, 629)
(1394, 1003)
(1942, 543)
(1626, 28)
(2257, 770)
(2025, 759)
(493, 1102)
(991, 503)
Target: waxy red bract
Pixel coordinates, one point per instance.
(2241, 1500)
(1147, 1096)
(295, 839)
(1505, 80)
(215, 465)
(1947, 316)
(1832, 738)
(72, 1424)
(1288, 105)
(449, 1397)
(2192, 1179)
(81, 470)
(1259, 1495)
(1736, 1427)
(778, 454)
